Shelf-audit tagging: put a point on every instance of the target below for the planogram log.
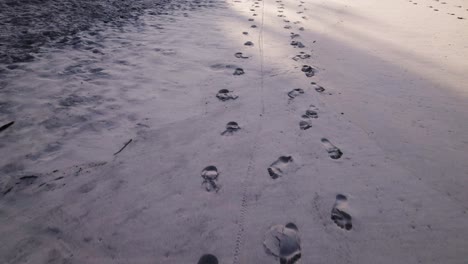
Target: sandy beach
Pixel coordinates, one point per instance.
(237, 131)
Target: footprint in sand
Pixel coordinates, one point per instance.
(210, 176)
(311, 112)
(295, 92)
(333, 151)
(248, 43)
(297, 44)
(239, 55)
(283, 242)
(287, 27)
(238, 71)
(294, 35)
(339, 214)
(301, 56)
(208, 259)
(286, 21)
(231, 127)
(225, 94)
(308, 70)
(301, 29)
(254, 15)
(317, 87)
(305, 124)
(251, 19)
(245, 33)
(279, 166)
(253, 26)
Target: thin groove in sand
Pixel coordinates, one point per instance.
(241, 223)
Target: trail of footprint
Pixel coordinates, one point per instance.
(333, 151)
(210, 176)
(317, 87)
(284, 243)
(225, 94)
(339, 214)
(231, 127)
(208, 259)
(295, 92)
(278, 167)
(308, 70)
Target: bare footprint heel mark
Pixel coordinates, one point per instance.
(238, 71)
(284, 243)
(208, 259)
(225, 94)
(231, 127)
(333, 151)
(308, 70)
(248, 43)
(279, 166)
(297, 44)
(317, 87)
(339, 214)
(240, 55)
(210, 177)
(295, 92)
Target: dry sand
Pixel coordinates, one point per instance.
(365, 163)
